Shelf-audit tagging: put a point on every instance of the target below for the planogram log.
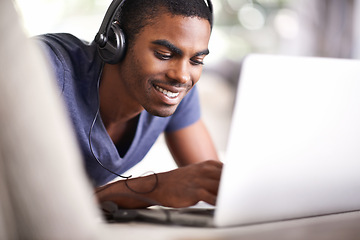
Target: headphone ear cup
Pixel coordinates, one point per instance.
(114, 49)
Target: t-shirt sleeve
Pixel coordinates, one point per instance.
(55, 60)
(187, 113)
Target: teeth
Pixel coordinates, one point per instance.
(166, 92)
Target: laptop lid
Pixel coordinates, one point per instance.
(294, 145)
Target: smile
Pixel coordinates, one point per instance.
(166, 92)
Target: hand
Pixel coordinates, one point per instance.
(187, 185)
(182, 187)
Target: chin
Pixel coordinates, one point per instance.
(164, 112)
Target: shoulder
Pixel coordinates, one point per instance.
(63, 40)
(66, 47)
(70, 57)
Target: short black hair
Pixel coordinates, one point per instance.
(136, 14)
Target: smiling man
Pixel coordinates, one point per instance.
(120, 108)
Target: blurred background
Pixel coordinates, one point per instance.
(322, 28)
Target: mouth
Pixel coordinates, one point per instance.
(167, 92)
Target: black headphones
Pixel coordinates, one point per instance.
(110, 38)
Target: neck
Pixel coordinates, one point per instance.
(116, 106)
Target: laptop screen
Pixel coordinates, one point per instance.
(293, 149)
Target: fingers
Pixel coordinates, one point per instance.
(207, 197)
(188, 185)
(213, 163)
(206, 182)
(212, 186)
(210, 169)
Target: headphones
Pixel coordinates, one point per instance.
(110, 38)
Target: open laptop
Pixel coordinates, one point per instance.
(294, 145)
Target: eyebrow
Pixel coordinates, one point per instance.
(177, 50)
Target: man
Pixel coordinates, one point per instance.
(119, 109)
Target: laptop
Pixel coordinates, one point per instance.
(294, 144)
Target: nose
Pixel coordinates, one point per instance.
(180, 72)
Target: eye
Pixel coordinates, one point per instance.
(162, 56)
(197, 61)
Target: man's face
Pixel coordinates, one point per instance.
(165, 62)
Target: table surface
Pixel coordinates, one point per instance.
(343, 226)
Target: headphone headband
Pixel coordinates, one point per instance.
(103, 33)
(209, 4)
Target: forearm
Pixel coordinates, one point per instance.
(132, 193)
(192, 144)
(181, 187)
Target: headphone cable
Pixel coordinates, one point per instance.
(92, 126)
(100, 163)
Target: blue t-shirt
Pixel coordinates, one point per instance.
(78, 68)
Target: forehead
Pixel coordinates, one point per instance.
(182, 31)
